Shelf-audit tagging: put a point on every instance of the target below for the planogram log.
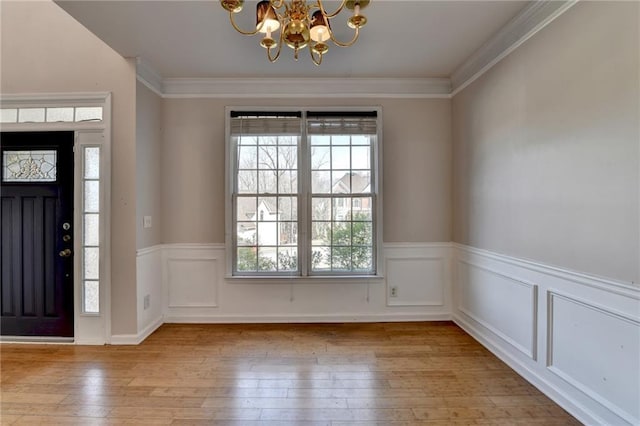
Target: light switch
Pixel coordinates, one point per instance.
(146, 222)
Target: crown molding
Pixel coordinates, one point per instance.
(305, 87)
(533, 18)
(147, 75)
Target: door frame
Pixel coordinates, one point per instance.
(89, 328)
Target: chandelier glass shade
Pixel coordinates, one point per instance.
(298, 24)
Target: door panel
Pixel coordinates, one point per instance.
(37, 275)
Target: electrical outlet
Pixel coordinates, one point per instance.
(394, 291)
(146, 222)
(147, 301)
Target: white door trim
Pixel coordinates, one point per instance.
(88, 329)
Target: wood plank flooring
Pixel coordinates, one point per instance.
(321, 374)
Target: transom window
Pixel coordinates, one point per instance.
(304, 190)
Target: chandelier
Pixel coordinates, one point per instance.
(301, 25)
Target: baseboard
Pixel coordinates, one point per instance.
(136, 339)
(290, 319)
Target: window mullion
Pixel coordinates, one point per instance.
(304, 198)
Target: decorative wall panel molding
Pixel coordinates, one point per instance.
(416, 281)
(595, 349)
(588, 330)
(197, 290)
(505, 305)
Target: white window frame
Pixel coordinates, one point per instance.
(304, 200)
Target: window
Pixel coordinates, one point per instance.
(304, 193)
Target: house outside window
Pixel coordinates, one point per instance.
(304, 192)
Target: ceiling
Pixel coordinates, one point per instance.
(194, 39)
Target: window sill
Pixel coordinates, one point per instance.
(315, 279)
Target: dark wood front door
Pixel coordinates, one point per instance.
(37, 234)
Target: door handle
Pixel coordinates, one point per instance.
(65, 253)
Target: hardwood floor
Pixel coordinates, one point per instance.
(327, 374)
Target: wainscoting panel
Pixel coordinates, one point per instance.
(416, 281)
(192, 283)
(197, 290)
(504, 305)
(596, 350)
(585, 330)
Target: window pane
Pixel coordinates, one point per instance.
(341, 234)
(88, 113)
(340, 157)
(360, 140)
(247, 182)
(320, 158)
(92, 196)
(360, 182)
(288, 182)
(320, 140)
(59, 114)
(92, 163)
(287, 157)
(29, 166)
(91, 263)
(288, 259)
(362, 233)
(361, 157)
(268, 140)
(321, 233)
(268, 157)
(340, 140)
(267, 182)
(91, 229)
(8, 115)
(267, 259)
(91, 297)
(362, 258)
(361, 209)
(246, 208)
(247, 259)
(341, 182)
(247, 157)
(288, 208)
(321, 182)
(287, 233)
(267, 233)
(321, 259)
(341, 208)
(31, 115)
(246, 233)
(247, 140)
(321, 208)
(341, 258)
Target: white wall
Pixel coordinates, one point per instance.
(44, 50)
(148, 203)
(546, 183)
(417, 166)
(546, 147)
(416, 149)
(148, 160)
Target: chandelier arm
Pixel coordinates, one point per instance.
(277, 3)
(313, 58)
(349, 43)
(275, 58)
(330, 15)
(249, 33)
